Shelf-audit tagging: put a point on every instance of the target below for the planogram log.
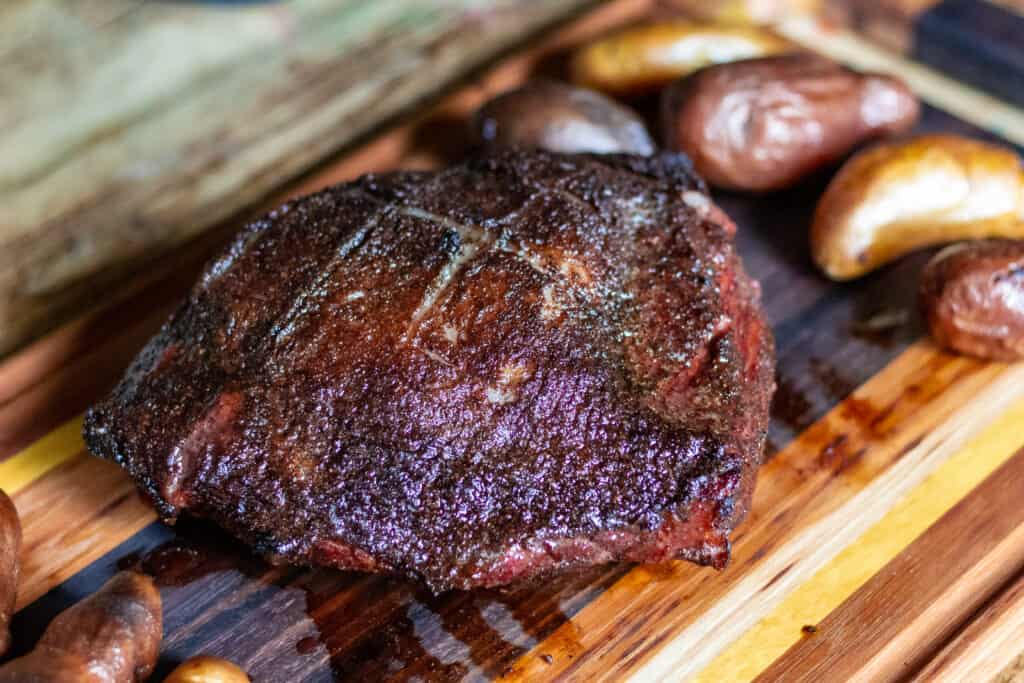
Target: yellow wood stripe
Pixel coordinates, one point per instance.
(832, 584)
(945, 93)
(57, 447)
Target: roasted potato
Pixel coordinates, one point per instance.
(764, 124)
(897, 197)
(205, 669)
(646, 58)
(561, 118)
(10, 566)
(742, 11)
(972, 295)
(113, 636)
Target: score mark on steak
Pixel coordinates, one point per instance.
(521, 364)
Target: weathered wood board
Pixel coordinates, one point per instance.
(887, 453)
(130, 127)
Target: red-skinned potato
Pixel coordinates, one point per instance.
(972, 295)
(898, 197)
(10, 566)
(113, 636)
(561, 118)
(765, 124)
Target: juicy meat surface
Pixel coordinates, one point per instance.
(521, 364)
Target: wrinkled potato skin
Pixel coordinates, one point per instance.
(207, 669)
(10, 566)
(764, 124)
(898, 197)
(972, 295)
(646, 58)
(561, 118)
(113, 636)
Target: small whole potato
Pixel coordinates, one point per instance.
(898, 197)
(206, 669)
(972, 295)
(111, 636)
(764, 124)
(561, 118)
(645, 58)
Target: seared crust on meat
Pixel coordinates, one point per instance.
(523, 363)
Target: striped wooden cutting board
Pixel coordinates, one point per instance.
(886, 538)
(980, 42)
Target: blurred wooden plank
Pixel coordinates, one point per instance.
(986, 646)
(907, 610)
(129, 129)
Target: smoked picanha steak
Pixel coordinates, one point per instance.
(524, 363)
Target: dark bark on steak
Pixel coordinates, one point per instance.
(521, 364)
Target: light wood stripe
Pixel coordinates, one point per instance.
(945, 93)
(73, 515)
(807, 508)
(55, 448)
(814, 599)
(988, 643)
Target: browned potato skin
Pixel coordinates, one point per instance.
(113, 636)
(10, 566)
(972, 295)
(645, 58)
(561, 118)
(206, 669)
(927, 191)
(728, 118)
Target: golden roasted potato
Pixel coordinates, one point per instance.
(648, 57)
(764, 124)
(898, 197)
(972, 295)
(743, 11)
(206, 669)
(561, 118)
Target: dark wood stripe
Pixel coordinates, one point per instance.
(975, 42)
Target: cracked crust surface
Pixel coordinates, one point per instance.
(523, 363)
